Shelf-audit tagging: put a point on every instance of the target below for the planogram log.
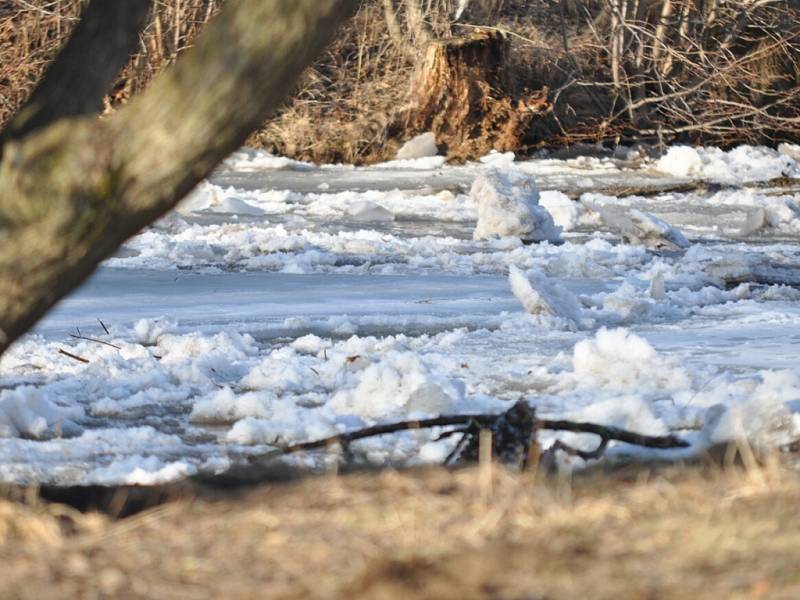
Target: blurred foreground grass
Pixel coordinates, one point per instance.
(690, 532)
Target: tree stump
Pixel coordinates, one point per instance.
(466, 96)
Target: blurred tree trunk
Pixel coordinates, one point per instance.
(74, 187)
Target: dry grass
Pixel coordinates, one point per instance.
(345, 108)
(427, 534)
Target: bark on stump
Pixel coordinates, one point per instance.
(466, 96)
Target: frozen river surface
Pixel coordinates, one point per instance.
(284, 302)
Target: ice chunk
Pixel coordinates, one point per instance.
(207, 197)
(618, 359)
(508, 205)
(148, 331)
(790, 150)
(539, 294)
(203, 197)
(630, 412)
(310, 344)
(761, 417)
(223, 406)
(754, 220)
(627, 302)
(140, 470)
(649, 227)
(236, 206)
(639, 227)
(657, 289)
(739, 165)
(498, 159)
(249, 159)
(366, 211)
(399, 384)
(26, 412)
(781, 211)
(288, 424)
(421, 146)
(681, 161)
(565, 212)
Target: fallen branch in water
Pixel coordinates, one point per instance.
(513, 434)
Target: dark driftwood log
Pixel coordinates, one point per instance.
(73, 188)
(467, 98)
(513, 434)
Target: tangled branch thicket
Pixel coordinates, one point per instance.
(704, 70)
(701, 71)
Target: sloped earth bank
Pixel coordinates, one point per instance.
(284, 302)
(426, 534)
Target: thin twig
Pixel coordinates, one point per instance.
(74, 356)
(78, 336)
(103, 325)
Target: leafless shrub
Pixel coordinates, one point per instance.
(704, 70)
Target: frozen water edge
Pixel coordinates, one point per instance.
(242, 329)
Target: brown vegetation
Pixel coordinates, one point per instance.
(608, 71)
(32, 32)
(426, 534)
(465, 95)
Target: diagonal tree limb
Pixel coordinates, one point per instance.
(83, 72)
(73, 191)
